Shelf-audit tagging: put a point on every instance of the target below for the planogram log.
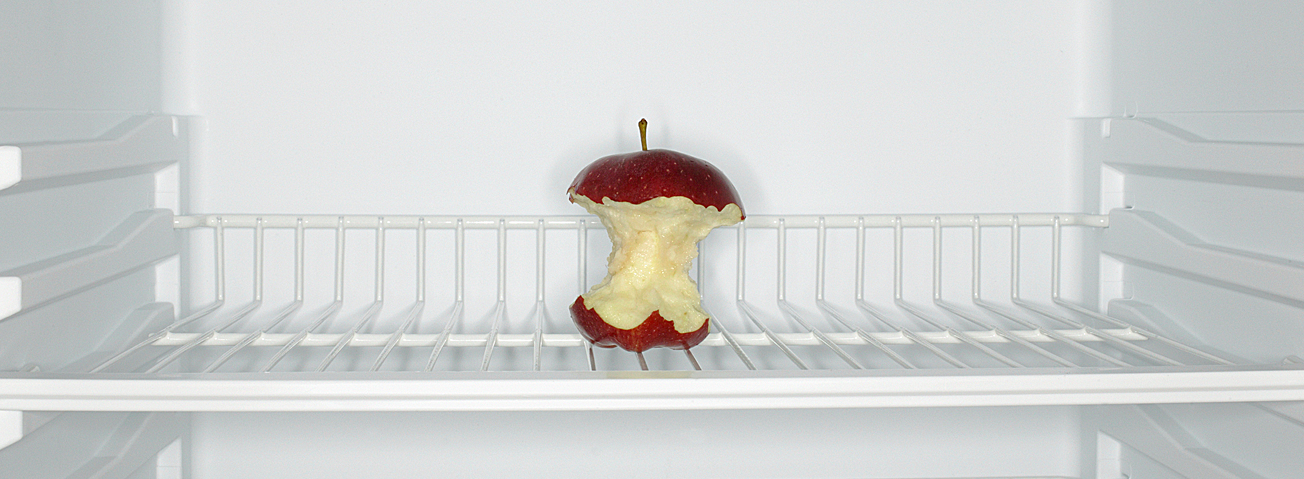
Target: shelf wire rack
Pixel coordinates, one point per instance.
(224, 334)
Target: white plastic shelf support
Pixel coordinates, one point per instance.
(1145, 239)
(140, 144)
(81, 444)
(11, 427)
(11, 166)
(141, 240)
(1153, 147)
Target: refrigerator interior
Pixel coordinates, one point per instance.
(984, 239)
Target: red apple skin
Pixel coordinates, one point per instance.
(655, 331)
(643, 175)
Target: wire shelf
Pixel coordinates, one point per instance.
(317, 294)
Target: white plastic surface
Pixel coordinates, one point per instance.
(11, 166)
(26, 126)
(66, 56)
(1154, 445)
(652, 390)
(1212, 237)
(11, 427)
(1147, 240)
(870, 443)
(1155, 147)
(1281, 128)
(1204, 56)
(492, 107)
(139, 241)
(79, 444)
(11, 296)
(139, 144)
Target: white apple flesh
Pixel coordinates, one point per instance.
(653, 247)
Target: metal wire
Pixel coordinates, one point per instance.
(790, 311)
(975, 286)
(948, 335)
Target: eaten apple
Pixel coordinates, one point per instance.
(656, 206)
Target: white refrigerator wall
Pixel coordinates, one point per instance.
(491, 107)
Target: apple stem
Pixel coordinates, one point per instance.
(642, 132)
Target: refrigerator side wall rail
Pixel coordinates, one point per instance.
(1150, 431)
(143, 239)
(141, 144)
(1145, 239)
(90, 444)
(1153, 147)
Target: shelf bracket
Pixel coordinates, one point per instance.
(1145, 239)
(142, 239)
(141, 144)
